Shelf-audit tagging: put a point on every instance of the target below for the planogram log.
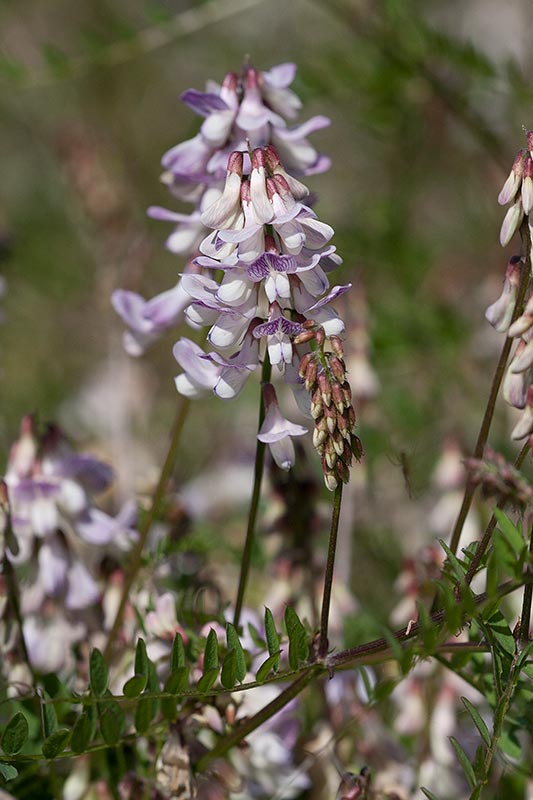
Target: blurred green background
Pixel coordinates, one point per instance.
(427, 101)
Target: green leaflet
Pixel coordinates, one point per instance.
(15, 734)
(98, 672)
(298, 645)
(55, 743)
(234, 643)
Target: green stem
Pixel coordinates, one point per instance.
(497, 726)
(254, 503)
(328, 578)
(525, 617)
(137, 553)
(251, 724)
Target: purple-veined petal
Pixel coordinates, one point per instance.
(203, 103)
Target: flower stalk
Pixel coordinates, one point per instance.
(328, 578)
(254, 503)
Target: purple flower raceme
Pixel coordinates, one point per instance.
(260, 279)
(250, 110)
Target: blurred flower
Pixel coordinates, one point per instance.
(54, 523)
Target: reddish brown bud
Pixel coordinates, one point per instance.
(272, 157)
(347, 389)
(320, 336)
(351, 415)
(342, 471)
(338, 369)
(304, 337)
(309, 323)
(337, 346)
(330, 416)
(357, 447)
(344, 426)
(317, 408)
(304, 363)
(310, 375)
(338, 396)
(338, 443)
(325, 388)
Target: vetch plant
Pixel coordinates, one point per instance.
(167, 696)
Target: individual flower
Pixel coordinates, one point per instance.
(147, 320)
(500, 313)
(276, 431)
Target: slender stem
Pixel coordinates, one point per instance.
(249, 725)
(355, 655)
(254, 503)
(328, 578)
(497, 725)
(525, 617)
(494, 389)
(14, 598)
(157, 497)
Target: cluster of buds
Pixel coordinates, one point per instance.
(500, 479)
(324, 373)
(518, 190)
(502, 315)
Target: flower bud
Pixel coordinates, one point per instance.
(330, 416)
(310, 375)
(338, 396)
(338, 368)
(347, 389)
(342, 471)
(512, 184)
(330, 480)
(515, 384)
(319, 437)
(343, 426)
(524, 427)
(357, 447)
(320, 336)
(304, 337)
(338, 443)
(317, 408)
(511, 222)
(337, 346)
(527, 186)
(325, 388)
(500, 313)
(524, 322)
(330, 455)
(304, 363)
